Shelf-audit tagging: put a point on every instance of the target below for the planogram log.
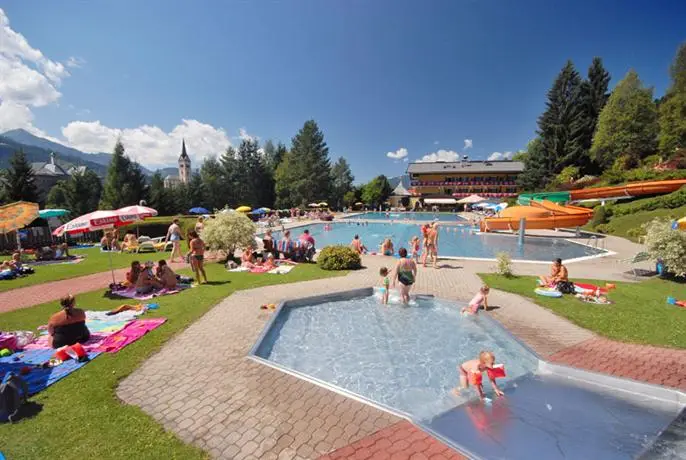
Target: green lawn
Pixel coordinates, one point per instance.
(95, 262)
(640, 313)
(81, 416)
(621, 225)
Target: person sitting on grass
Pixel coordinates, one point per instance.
(285, 245)
(132, 274)
(248, 258)
(62, 252)
(268, 244)
(67, 326)
(105, 242)
(166, 275)
(269, 262)
(147, 282)
(558, 273)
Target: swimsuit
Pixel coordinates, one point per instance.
(199, 257)
(70, 334)
(406, 277)
(388, 252)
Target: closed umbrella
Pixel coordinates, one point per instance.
(17, 215)
(243, 209)
(198, 210)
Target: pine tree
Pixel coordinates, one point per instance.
(214, 187)
(341, 182)
(673, 108)
(230, 177)
(561, 126)
(311, 154)
(627, 126)
(251, 175)
(125, 183)
(535, 176)
(196, 191)
(160, 198)
(594, 95)
(19, 182)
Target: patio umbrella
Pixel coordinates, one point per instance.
(359, 203)
(471, 199)
(258, 212)
(47, 213)
(140, 212)
(243, 209)
(323, 204)
(265, 209)
(17, 215)
(198, 210)
(313, 205)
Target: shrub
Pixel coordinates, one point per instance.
(670, 201)
(603, 228)
(503, 264)
(667, 244)
(601, 215)
(339, 258)
(229, 231)
(635, 232)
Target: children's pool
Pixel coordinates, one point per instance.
(405, 359)
(401, 358)
(425, 216)
(454, 241)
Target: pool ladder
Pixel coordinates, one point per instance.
(596, 243)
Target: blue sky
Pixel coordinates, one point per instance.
(377, 75)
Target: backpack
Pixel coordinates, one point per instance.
(13, 394)
(566, 287)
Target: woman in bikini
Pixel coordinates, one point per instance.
(174, 235)
(197, 247)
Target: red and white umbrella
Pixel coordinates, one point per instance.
(96, 220)
(142, 212)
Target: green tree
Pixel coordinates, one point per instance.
(125, 183)
(350, 198)
(230, 177)
(310, 158)
(18, 181)
(341, 182)
(673, 108)
(628, 124)
(161, 198)
(376, 191)
(536, 174)
(256, 188)
(561, 126)
(196, 191)
(272, 155)
(214, 187)
(57, 196)
(285, 180)
(80, 194)
(594, 96)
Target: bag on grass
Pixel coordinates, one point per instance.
(13, 394)
(566, 287)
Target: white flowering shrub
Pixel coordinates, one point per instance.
(664, 242)
(503, 264)
(229, 231)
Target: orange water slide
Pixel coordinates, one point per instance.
(633, 189)
(542, 215)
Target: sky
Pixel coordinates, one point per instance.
(388, 81)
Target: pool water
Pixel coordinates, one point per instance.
(403, 358)
(425, 216)
(454, 241)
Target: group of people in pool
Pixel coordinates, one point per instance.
(429, 243)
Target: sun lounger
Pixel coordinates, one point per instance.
(638, 258)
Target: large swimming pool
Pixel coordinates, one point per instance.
(426, 216)
(454, 241)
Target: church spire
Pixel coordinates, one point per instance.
(183, 149)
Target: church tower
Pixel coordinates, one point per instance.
(184, 165)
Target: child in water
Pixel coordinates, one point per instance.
(385, 284)
(414, 245)
(479, 300)
(471, 374)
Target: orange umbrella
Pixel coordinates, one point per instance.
(17, 215)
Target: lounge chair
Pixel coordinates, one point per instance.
(160, 245)
(638, 258)
(146, 244)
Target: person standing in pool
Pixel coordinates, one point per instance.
(405, 274)
(174, 235)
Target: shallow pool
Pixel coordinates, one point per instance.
(426, 216)
(454, 241)
(402, 358)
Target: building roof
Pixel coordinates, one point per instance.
(471, 167)
(48, 169)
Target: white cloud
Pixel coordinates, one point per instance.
(150, 145)
(398, 154)
(75, 62)
(14, 116)
(22, 85)
(468, 144)
(441, 155)
(497, 156)
(436, 142)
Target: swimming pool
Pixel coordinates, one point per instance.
(454, 241)
(404, 359)
(426, 216)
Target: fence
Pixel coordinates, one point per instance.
(38, 237)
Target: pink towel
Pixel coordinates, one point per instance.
(129, 334)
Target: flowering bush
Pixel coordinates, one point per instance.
(339, 258)
(664, 242)
(229, 231)
(503, 264)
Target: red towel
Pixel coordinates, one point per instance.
(129, 334)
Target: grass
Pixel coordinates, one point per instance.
(81, 416)
(621, 225)
(94, 262)
(640, 313)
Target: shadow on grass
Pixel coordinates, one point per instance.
(218, 283)
(29, 410)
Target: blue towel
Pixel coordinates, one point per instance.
(39, 378)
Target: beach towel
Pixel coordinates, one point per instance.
(130, 293)
(281, 270)
(71, 260)
(240, 269)
(39, 378)
(129, 334)
(92, 345)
